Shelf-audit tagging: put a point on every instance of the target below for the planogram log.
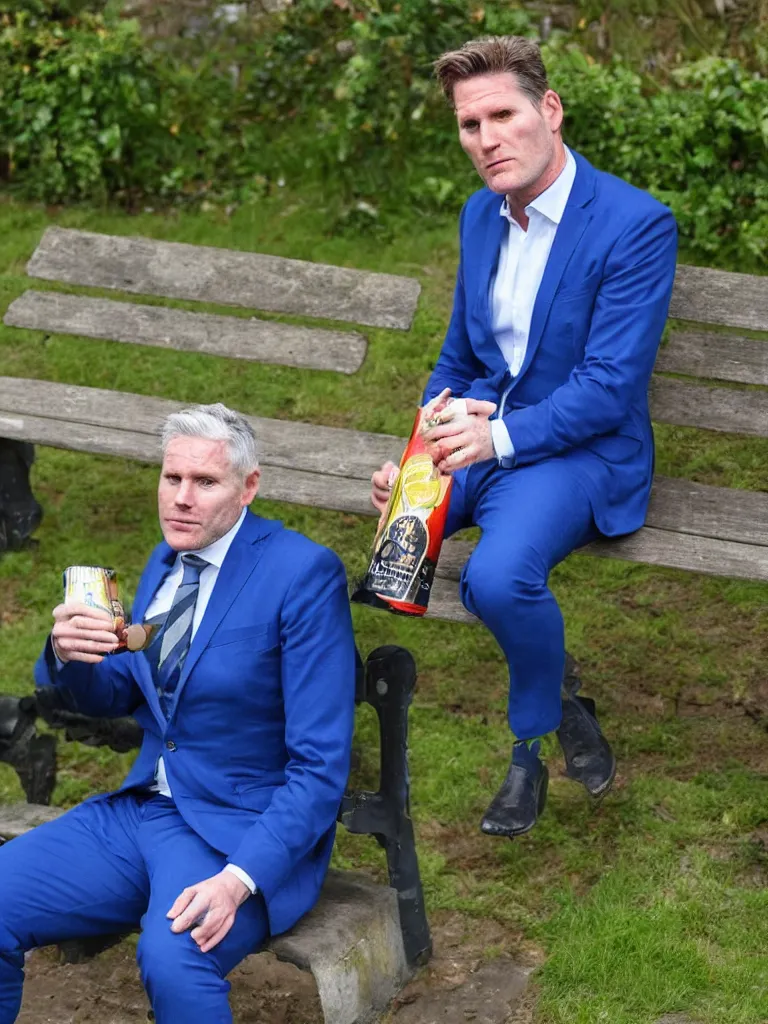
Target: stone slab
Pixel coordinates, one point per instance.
(353, 945)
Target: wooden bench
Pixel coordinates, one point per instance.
(362, 941)
(691, 526)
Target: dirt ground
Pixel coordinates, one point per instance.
(107, 990)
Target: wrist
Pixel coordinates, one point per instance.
(236, 887)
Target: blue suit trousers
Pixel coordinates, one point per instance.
(531, 518)
(112, 864)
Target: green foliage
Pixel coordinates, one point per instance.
(340, 93)
(79, 114)
(700, 144)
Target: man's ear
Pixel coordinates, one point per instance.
(552, 110)
(251, 486)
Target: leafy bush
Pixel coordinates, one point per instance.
(340, 92)
(699, 143)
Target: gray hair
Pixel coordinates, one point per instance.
(495, 55)
(216, 423)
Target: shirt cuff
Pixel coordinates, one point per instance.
(502, 443)
(244, 878)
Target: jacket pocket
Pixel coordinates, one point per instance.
(257, 636)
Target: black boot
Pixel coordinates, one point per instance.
(517, 805)
(588, 755)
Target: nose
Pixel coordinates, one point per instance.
(488, 136)
(184, 493)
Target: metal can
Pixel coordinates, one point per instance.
(410, 531)
(94, 586)
(97, 587)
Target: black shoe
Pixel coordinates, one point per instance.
(516, 807)
(588, 755)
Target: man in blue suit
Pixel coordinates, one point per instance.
(561, 298)
(222, 832)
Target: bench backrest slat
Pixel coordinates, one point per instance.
(729, 410)
(709, 296)
(95, 412)
(230, 336)
(718, 512)
(177, 270)
(715, 357)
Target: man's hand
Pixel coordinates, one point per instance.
(209, 908)
(82, 633)
(382, 482)
(463, 440)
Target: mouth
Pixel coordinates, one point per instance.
(180, 523)
(498, 163)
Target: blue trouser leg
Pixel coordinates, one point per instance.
(184, 984)
(107, 866)
(78, 876)
(531, 519)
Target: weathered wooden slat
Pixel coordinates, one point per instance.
(444, 603)
(715, 356)
(176, 270)
(233, 337)
(722, 513)
(113, 422)
(305, 461)
(685, 551)
(720, 297)
(729, 410)
(653, 547)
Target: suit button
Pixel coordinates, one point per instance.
(170, 745)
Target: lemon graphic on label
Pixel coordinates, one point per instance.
(421, 483)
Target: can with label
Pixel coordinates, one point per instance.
(410, 531)
(97, 587)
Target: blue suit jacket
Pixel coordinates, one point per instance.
(262, 728)
(582, 391)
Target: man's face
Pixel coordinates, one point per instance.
(511, 141)
(200, 496)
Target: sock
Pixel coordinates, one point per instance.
(526, 752)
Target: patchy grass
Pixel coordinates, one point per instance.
(652, 902)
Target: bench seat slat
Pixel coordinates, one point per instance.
(177, 270)
(728, 410)
(715, 357)
(161, 327)
(709, 296)
(306, 461)
(653, 547)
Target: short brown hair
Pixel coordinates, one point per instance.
(495, 55)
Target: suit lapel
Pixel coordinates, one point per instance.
(239, 563)
(576, 216)
(160, 562)
(488, 262)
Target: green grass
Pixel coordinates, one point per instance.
(653, 902)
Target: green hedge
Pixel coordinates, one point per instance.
(339, 93)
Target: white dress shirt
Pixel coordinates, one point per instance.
(522, 260)
(161, 604)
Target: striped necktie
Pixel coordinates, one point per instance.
(177, 631)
